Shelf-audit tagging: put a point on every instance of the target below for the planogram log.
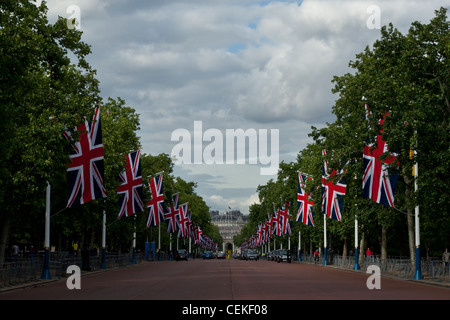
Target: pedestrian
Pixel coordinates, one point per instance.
(15, 250)
(369, 253)
(446, 257)
(31, 253)
(316, 256)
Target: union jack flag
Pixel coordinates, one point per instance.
(269, 226)
(332, 200)
(183, 221)
(156, 205)
(305, 212)
(130, 191)
(196, 233)
(276, 220)
(259, 235)
(171, 214)
(85, 173)
(190, 225)
(377, 184)
(285, 224)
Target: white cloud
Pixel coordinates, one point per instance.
(231, 64)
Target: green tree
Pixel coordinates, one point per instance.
(42, 93)
(406, 76)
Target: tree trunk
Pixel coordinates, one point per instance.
(345, 248)
(4, 236)
(383, 244)
(361, 250)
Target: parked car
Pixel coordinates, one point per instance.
(251, 255)
(283, 255)
(221, 255)
(207, 255)
(181, 255)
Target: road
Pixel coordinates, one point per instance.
(229, 280)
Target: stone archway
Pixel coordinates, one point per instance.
(229, 247)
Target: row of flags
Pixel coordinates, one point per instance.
(85, 175)
(278, 223)
(377, 184)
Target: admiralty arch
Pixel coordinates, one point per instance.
(230, 224)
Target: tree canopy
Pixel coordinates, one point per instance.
(407, 77)
(47, 87)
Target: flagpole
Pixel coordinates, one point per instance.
(133, 260)
(46, 271)
(324, 239)
(418, 274)
(356, 267)
(103, 265)
(299, 247)
(170, 246)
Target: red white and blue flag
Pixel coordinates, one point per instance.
(305, 212)
(183, 220)
(285, 224)
(171, 214)
(156, 206)
(276, 220)
(130, 191)
(332, 194)
(269, 227)
(378, 184)
(85, 173)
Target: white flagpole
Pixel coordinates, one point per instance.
(356, 266)
(133, 259)
(324, 239)
(418, 274)
(46, 271)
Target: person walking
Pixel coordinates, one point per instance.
(446, 257)
(316, 256)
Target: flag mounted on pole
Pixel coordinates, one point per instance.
(332, 200)
(130, 191)
(171, 214)
(156, 207)
(182, 221)
(378, 184)
(305, 213)
(285, 224)
(85, 173)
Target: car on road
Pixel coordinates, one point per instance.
(283, 255)
(221, 255)
(251, 255)
(181, 255)
(207, 255)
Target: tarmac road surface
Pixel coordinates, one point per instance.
(229, 280)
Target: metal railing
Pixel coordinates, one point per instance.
(23, 270)
(433, 269)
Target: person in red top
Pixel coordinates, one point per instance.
(368, 252)
(316, 256)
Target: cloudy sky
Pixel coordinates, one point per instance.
(228, 65)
